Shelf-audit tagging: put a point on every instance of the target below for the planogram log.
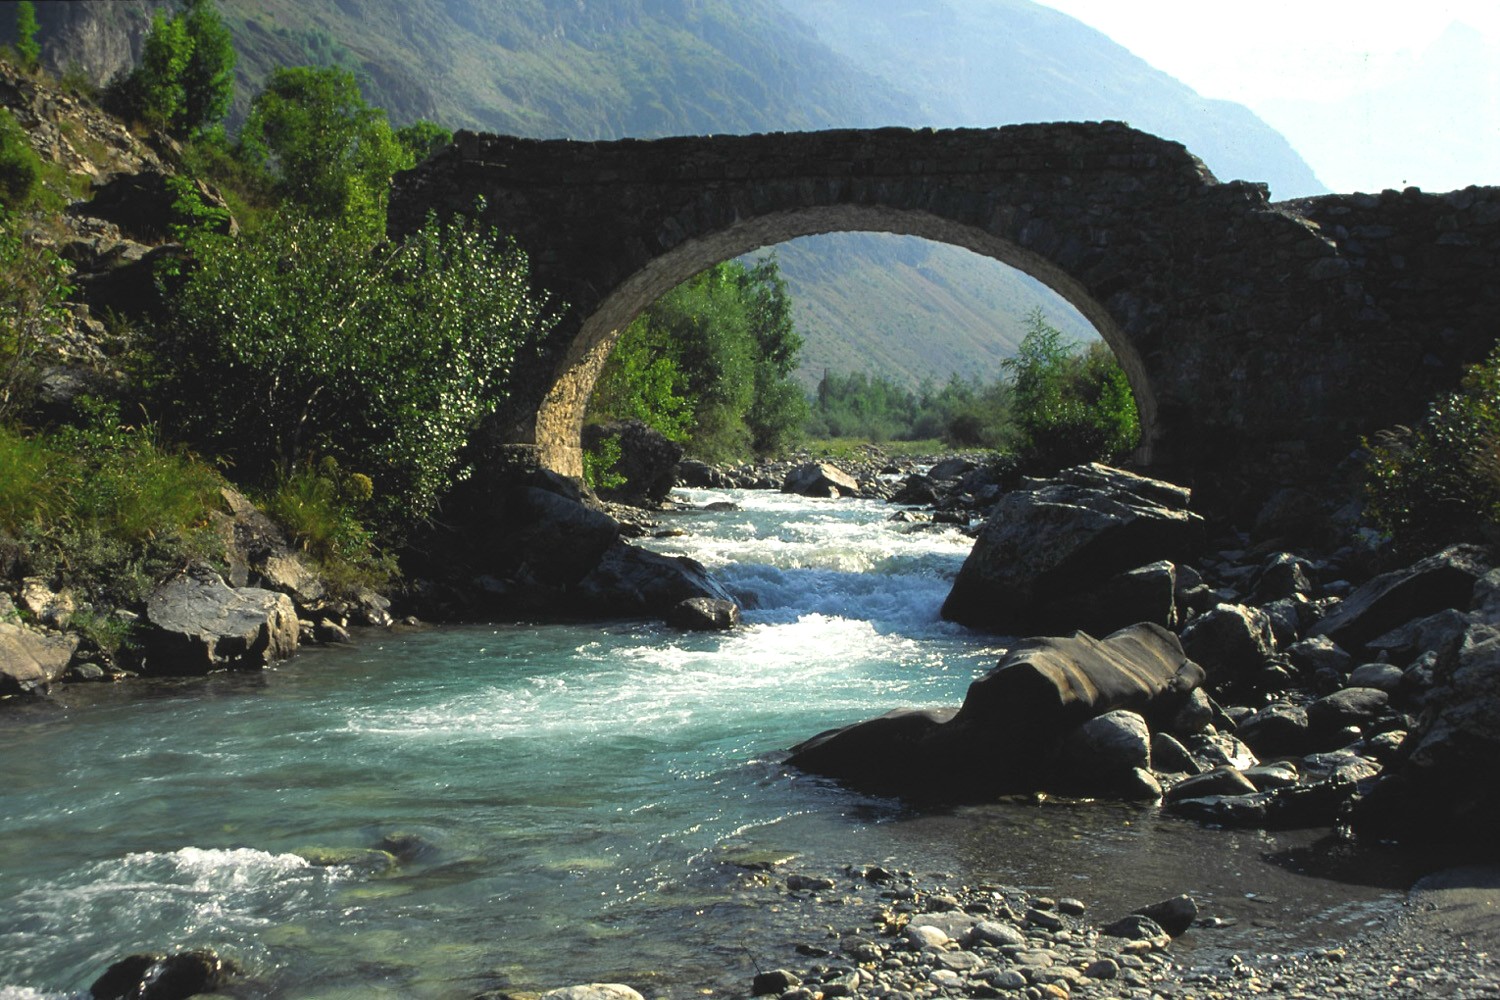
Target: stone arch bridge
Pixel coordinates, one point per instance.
(1256, 336)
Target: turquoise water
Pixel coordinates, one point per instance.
(570, 801)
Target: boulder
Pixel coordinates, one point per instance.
(1442, 786)
(593, 991)
(951, 468)
(820, 479)
(1099, 753)
(1232, 643)
(30, 661)
(700, 475)
(648, 460)
(1441, 581)
(1404, 644)
(1278, 730)
(631, 582)
(1352, 706)
(196, 623)
(704, 614)
(163, 977)
(1006, 735)
(1173, 915)
(916, 491)
(1220, 782)
(557, 539)
(1281, 576)
(1054, 539)
(142, 205)
(1143, 594)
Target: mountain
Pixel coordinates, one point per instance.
(900, 307)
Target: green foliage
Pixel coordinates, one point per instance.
(321, 507)
(300, 340)
(1439, 482)
(20, 167)
(1070, 406)
(33, 284)
(103, 507)
(709, 364)
(963, 413)
(599, 465)
(185, 81)
(28, 52)
(190, 213)
(422, 138)
(323, 148)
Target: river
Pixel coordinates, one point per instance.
(573, 803)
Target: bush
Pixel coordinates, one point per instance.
(301, 340)
(1439, 482)
(103, 507)
(1069, 406)
(20, 167)
(32, 288)
(320, 506)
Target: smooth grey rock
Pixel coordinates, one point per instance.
(1350, 707)
(1054, 540)
(704, 614)
(196, 623)
(1441, 581)
(1280, 729)
(1385, 677)
(1134, 927)
(1219, 781)
(1402, 645)
(1173, 915)
(634, 582)
(1231, 643)
(1107, 745)
(30, 662)
(820, 479)
(1319, 653)
(993, 932)
(595, 991)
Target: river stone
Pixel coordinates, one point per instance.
(1445, 789)
(647, 463)
(1173, 915)
(1219, 781)
(1232, 643)
(162, 977)
(1402, 645)
(1005, 734)
(1385, 677)
(820, 479)
(30, 661)
(1352, 706)
(197, 623)
(603, 991)
(926, 936)
(1281, 576)
(1058, 538)
(1106, 747)
(1144, 594)
(1441, 581)
(995, 933)
(704, 614)
(48, 607)
(1280, 729)
(633, 582)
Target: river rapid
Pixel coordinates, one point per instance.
(572, 803)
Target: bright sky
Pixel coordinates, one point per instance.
(1374, 94)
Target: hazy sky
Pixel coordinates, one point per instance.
(1374, 94)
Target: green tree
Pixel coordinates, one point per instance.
(1439, 482)
(19, 165)
(300, 341)
(709, 363)
(1069, 406)
(154, 90)
(422, 138)
(325, 150)
(28, 52)
(208, 77)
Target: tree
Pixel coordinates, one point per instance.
(710, 363)
(184, 84)
(325, 149)
(300, 341)
(208, 77)
(422, 138)
(1069, 406)
(28, 52)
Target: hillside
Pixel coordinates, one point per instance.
(548, 68)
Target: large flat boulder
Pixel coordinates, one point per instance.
(631, 582)
(196, 623)
(820, 479)
(31, 661)
(1444, 580)
(1047, 542)
(1006, 735)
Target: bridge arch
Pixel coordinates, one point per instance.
(561, 413)
(1245, 328)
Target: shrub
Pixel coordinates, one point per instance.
(1439, 482)
(20, 167)
(32, 288)
(320, 505)
(300, 340)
